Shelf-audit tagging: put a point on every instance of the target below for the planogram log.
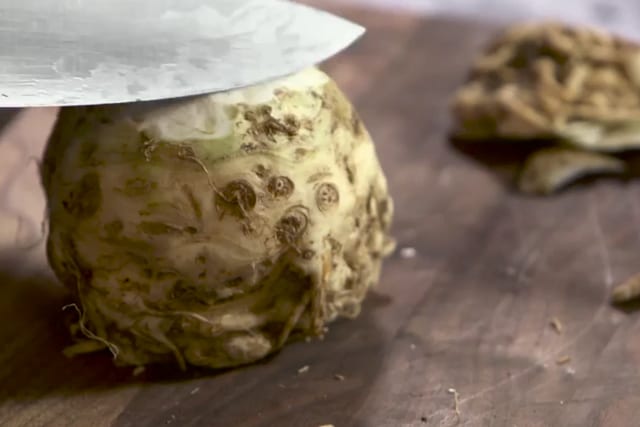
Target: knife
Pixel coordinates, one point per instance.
(81, 52)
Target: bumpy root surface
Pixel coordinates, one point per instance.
(210, 231)
(549, 80)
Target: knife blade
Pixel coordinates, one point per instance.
(83, 52)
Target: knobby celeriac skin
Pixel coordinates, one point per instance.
(212, 229)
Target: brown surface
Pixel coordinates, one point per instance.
(471, 311)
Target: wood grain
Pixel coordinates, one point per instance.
(471, 311)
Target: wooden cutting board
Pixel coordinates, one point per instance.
(465, 304)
